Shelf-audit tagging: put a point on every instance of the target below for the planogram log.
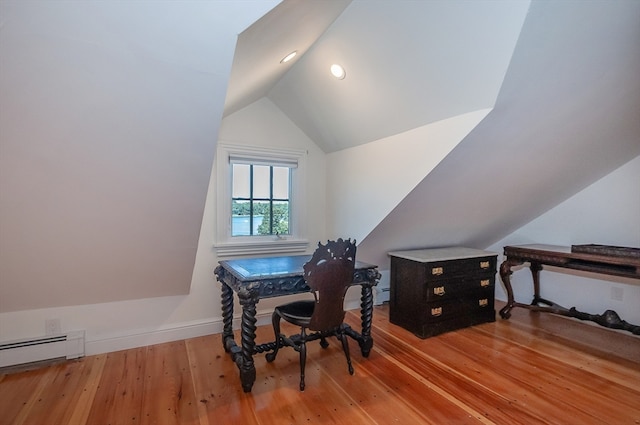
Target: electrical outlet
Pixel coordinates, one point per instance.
(52, 326)
(617, 293)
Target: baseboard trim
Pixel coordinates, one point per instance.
(142, 338)
(145, 337)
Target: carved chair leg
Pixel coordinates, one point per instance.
(275, 319)
(323, 342)
(345, 347)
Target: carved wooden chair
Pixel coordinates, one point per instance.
(329, 274)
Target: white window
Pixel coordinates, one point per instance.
(260, 200)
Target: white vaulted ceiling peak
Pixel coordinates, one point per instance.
(291, 26)
(408, 64)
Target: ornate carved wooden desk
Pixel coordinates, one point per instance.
(615, 261)
(255, 278)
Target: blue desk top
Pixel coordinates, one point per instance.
(247, 269)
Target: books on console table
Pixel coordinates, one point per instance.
(614, 251)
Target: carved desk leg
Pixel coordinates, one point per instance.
(365, 340)
(227, 317)
(248, 300)
(505, 275)
(227, 312)
(366, 312)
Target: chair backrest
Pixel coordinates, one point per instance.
(329, 274)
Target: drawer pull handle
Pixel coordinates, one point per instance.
(484, 264)
(484, 282)
(439, 290)
(437, 271)
(483, 302)
(436, 311)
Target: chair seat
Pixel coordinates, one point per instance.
(297, 312)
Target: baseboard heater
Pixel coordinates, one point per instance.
(69, 345)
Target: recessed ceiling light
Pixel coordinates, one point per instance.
(338, 71)
(289, 57)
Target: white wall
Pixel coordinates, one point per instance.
(383, 172)
(607, 212)
(119, 325)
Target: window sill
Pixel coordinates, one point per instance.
(263, 247)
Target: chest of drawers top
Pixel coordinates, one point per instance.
(441, 254)
(442, 263)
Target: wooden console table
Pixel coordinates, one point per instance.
(615, 261)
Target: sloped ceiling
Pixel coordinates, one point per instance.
(108, 119)
(568, 114)
(408, 64)
(292, 26)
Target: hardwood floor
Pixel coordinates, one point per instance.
(533, 368)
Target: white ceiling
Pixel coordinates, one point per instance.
(408, 64)
(290, 26)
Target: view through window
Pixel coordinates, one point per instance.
(260, 200)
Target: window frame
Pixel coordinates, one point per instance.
(296, 241)
(253, 194)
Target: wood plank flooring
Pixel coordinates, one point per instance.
(532, 369)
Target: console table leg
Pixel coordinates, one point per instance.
(505, 275)
(535, 273)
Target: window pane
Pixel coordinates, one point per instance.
(261, 181)
(240, 218)
(281, 182)
(240, 179)
(281, 218)
(261, 217)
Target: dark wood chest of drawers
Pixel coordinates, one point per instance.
(442, 289)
